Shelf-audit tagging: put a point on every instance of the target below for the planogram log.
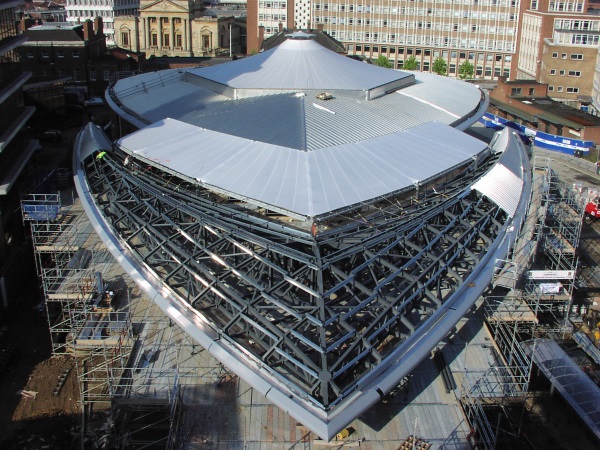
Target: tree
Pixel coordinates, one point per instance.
(411, 63)
(466, 70)
(440, 66)
(382, 61)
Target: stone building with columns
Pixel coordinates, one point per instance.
(177, 28)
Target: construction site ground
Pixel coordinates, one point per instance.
(31, 416)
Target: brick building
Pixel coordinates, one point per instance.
(526, 102)
(558, 45)
(76, 54)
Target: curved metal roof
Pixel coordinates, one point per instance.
(307, 184)
(301, 64)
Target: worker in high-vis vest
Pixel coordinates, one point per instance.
(101, 155)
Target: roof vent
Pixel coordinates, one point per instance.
(324, 96)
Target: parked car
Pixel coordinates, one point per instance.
(50, 136)
(94, 101)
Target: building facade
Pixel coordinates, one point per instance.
(480, 32)
(75, 54)
(15, 148)
(177, 28)
(82, 10)
(558, 46)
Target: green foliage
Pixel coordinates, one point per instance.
(382, 61)
(440, 66)
(410, 63)
(466, 71)
(254, 52)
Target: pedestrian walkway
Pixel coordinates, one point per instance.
(579, 164)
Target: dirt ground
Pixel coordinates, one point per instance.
(40, 419)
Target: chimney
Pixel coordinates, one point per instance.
(88, 30)
(261, 36)
(98, 26)
(26, 23)
(280, 27)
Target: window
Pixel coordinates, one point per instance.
(550, 88)
(562, 73)
(531, 91)
(92, 74)
(178, 41)
(552, 71)
(125, 39)
(106, 74)
(534, 4)
(559, 89)
(154, 40)
(60, 53)
(572, 90)
(45, 54)
(76, 74)
(515, 91)
(30, 53)
(576, 56)
(574, 73)
(75, 53)
(165, 41)
(555, 55)
(563, 56)
(205, 41)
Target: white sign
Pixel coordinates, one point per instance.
(551, 274)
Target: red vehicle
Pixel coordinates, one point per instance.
(592, 210)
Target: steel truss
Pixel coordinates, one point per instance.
(318, 310)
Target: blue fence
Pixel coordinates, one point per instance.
(539, 138)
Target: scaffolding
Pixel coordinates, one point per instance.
(131, 371)
(535, 306)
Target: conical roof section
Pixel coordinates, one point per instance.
(300, 64)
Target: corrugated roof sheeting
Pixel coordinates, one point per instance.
(455, 96)
(155, 95)
(300, 64)
(356, 120)
(305, 183)
(503, 184)
(274, 119)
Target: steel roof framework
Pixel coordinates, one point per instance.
(319, 312)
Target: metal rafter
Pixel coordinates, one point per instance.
(319, 311)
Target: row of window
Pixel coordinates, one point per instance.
(574, 56)
(416, 24)
(70, 3)
(571, 73)
(419, 39)
(572, 24)
(577, 39)
(60, 53)
(165, 20)
(274, 5)
(384, 9)
(89, 13)
(49, 72)
(166, 40)
(565, 6)
(569, 90)
(429, 12)
(480, 71)
(272, 18)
